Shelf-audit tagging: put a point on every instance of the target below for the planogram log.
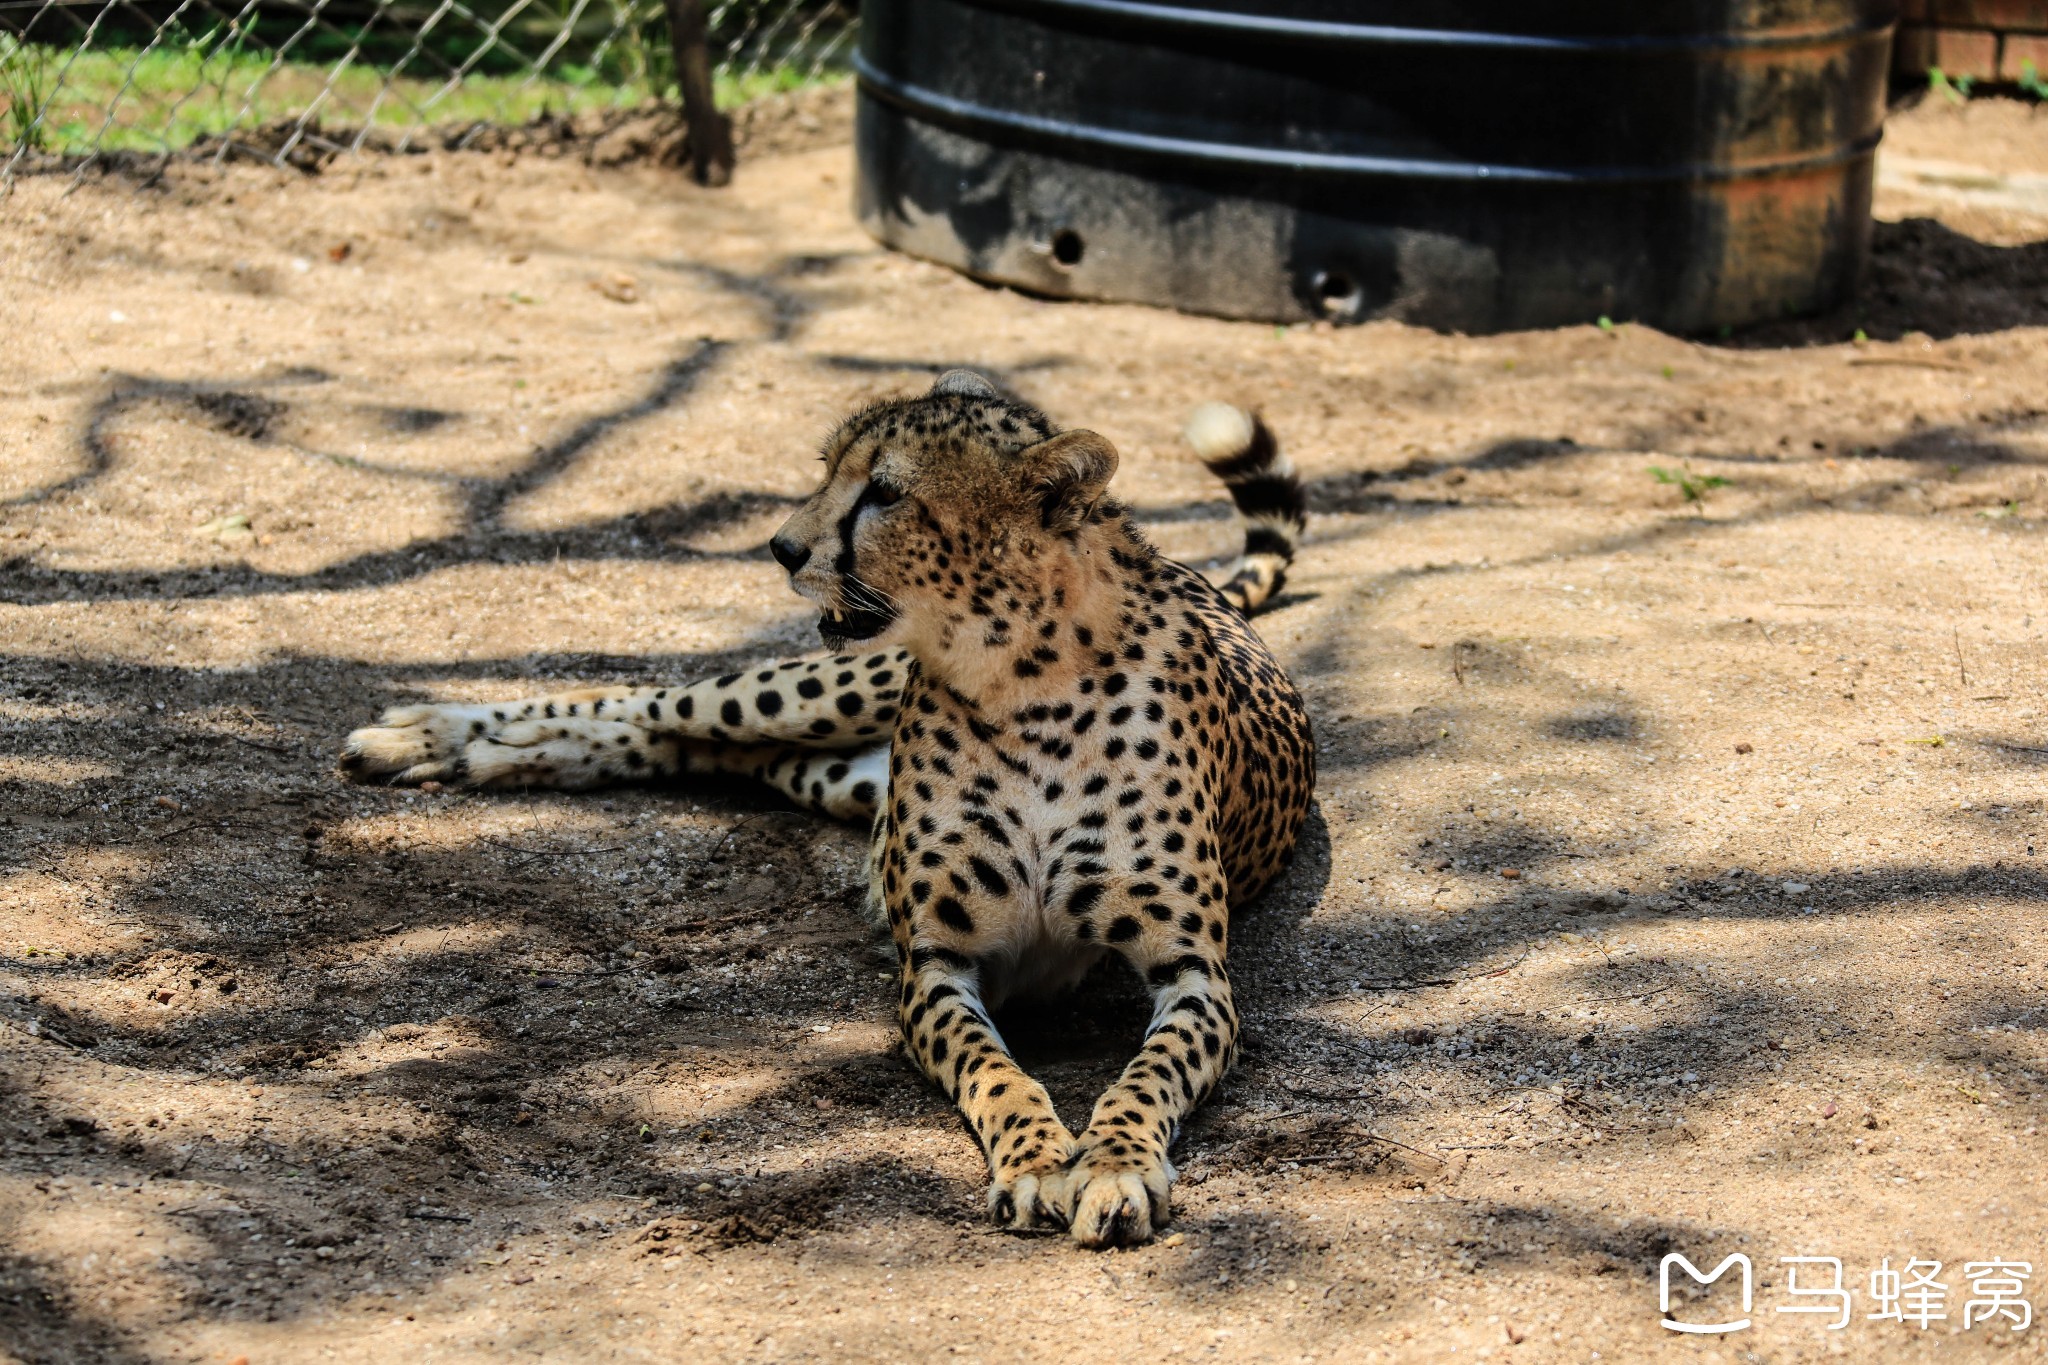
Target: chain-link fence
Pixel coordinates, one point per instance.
(82, 79)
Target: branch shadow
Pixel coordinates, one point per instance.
(655, 535)
(238, 409)
(41, 1322)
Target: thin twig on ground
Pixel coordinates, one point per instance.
(1625, 995)
(1908, 363)
(739, 825)
(1381, 1137)
(549, 852)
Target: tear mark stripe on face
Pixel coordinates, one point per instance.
(863, 612)
(842, 562)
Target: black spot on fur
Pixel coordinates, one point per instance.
(991, 880)
(953, 915)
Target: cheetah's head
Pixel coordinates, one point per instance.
(939, 509)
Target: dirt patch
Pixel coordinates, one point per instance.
(1671, 887)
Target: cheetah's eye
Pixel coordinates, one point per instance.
(882, 494)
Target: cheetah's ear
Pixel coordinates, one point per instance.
(1070, 473)
(964, 384)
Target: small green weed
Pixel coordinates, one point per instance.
(2030, 81)
(1693, 487)
(1953, 89)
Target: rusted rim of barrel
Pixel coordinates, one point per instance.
(1225, 24)
(1061, 135)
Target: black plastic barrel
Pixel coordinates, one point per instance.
(1474, 165)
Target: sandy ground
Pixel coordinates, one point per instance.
(1673, 886)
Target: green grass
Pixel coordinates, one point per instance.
(168, 97)
(25, 86)
(1692, 487)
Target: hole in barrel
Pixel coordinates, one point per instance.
(1337, 293)
(1067, 247)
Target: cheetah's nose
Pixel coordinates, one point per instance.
(790, 555)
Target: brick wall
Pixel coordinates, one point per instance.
(1989, 40)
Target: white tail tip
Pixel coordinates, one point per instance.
(1218, 431)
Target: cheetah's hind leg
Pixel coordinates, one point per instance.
(843, 784)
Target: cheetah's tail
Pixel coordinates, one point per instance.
(1240, 450)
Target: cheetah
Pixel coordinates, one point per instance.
(1070, 746)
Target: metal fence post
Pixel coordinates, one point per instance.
(711, 154)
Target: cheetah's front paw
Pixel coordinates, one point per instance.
(411, 744)
(1020, 1194)
(1114, 1195)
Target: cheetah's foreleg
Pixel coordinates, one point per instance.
(594, 735)
(1117, 1189)
(947, 1029)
